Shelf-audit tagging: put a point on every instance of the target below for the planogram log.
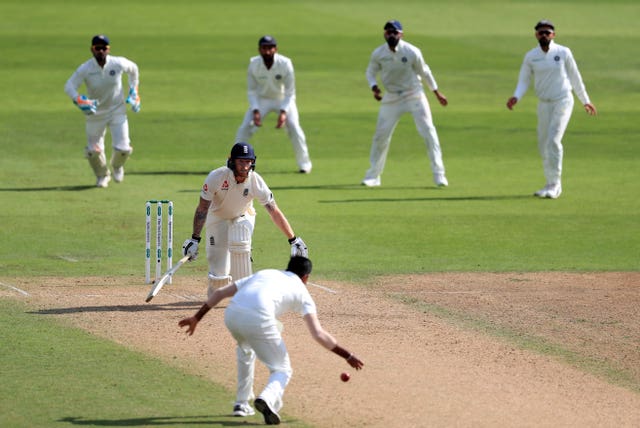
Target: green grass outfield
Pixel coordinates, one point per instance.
(193, 57)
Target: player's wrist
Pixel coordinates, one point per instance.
(196, 238)
(339, 350)
(201, 312)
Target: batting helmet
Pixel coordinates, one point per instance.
(241, 151)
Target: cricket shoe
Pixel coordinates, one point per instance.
(371, 182)
(243, 409)
(554, 191)
(118, 174)
(440, 180)
(103, 181)
(270, 417)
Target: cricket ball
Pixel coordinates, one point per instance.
(345, 376)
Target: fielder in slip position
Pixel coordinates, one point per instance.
(252, 319)
(271, 88)
(104, 105)
(226, 209)
(402, 70)
(555, 74)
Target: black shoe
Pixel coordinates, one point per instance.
(270, 417)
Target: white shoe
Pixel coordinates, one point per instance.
(440, 180)
(554, 191)
(270, 417)
(103, 181)
(118, 174)
(371, 182)
(243, 409)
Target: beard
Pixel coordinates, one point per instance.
(392, 41)
(544, 42)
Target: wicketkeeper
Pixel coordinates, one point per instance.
(226, 209)
(104, 105)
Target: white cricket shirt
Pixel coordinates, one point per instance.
(276, 83)
(555, 73)
(230, 199)
(103, 84)
(401, 72)
(270, 293)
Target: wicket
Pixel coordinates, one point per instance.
(158, 206)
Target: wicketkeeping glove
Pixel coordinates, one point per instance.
(134, 100)
(86, 105)
(298, 247)
(190, 248)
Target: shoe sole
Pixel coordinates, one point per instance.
(270, 417)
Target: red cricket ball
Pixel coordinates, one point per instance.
(345, 376)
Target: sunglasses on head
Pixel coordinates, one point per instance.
(101, 48)
(545, 32)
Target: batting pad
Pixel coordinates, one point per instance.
(240, 250)
(119, 157)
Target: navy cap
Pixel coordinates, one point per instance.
(545, 23)
(100, 39)
(393, 25)
(267, 41)
(242, 151)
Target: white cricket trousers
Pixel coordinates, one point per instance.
(553, 119)
(388, 118)
(96, 129)
(294, 131)
(258, 338)
(218, 243)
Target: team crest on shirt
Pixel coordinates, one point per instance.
(404, 59)
(278, 76)
(245, 193)
(556, 58)
(112, 72)
(225, 185)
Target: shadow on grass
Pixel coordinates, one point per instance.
(46, 189)
(158, 421)
(121, 308)
(425, 199)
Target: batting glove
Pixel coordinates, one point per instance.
(134, 100)
(298, 247)
(86, 105)
(190, 248)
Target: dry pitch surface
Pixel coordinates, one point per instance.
(439, 349)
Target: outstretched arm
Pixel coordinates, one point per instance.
(215, 298)
(325, 339)
(279, 219)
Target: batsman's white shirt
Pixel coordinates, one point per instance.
(555, 73)
(275, 83)
(230, 199)
(401, 72)
(103, 84)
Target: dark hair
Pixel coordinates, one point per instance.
(299, 265)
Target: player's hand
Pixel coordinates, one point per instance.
(441, 98)
(355, 362)
(134, 100)
(190, 323)
(590, 109)
(511, 102)
(282, 119)
(377, 93)
(190, 248)
(298, 247)
(87, 106)
(257, 119)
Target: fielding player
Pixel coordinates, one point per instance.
(271, 87)
(226, 208)
(251, 318)
(104, 105)
(555, 74)
(402, 70)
